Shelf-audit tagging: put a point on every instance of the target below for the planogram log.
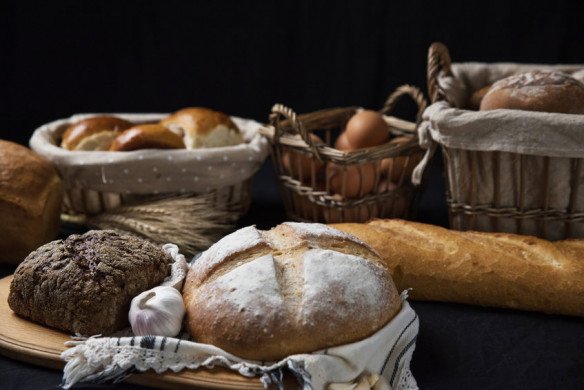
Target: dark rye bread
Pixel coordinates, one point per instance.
(85, 283)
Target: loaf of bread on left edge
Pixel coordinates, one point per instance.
(85, 283)
(31, 195)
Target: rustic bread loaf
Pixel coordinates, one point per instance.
(490, 269)
(297, 288)
(31, 195)
(85, 283)
(536, 91)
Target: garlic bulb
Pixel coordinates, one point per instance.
(158, 312)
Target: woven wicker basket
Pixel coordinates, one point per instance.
(308, 196)
(226, 172)
(499, 191)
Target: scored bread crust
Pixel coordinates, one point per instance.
(536, 91)
(298, 288)
(489, 269)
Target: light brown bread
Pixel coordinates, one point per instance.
(264, 295)
(489, 269)
(147, 136)
(31, 195)
(536, 91)
(95, 133)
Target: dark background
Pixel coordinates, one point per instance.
(66, 57)
(241, 57)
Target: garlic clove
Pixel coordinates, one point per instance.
(158, 312)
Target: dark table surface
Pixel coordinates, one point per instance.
(459, 346)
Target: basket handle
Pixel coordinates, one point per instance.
(279, 112)
(438, 64)
(415, 93)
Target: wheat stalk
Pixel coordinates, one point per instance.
(193, 222)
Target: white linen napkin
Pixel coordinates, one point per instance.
(381, 361)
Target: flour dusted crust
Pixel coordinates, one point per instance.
(537, 91)
(297, 288)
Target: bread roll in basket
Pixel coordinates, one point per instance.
(98, 181)
(512, 169)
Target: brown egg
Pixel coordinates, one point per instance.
(474, 103)
(299, 165)
(396, 206)
(365, 212)
(399, 169)
(366, 129)
(359, 213)
(342, 143)
(305, 209)
(359, 179)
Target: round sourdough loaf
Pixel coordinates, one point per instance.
(298, 288)
(536, 91)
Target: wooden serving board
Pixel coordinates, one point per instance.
(33, 343)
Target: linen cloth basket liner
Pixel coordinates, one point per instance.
(508, 170)
(98, 181)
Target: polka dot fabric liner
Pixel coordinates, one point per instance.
(152, 171)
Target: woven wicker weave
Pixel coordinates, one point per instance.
(308, 195)
(469, 172)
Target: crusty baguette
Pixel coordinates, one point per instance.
(489, 269)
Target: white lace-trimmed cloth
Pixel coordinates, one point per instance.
(381, 361)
